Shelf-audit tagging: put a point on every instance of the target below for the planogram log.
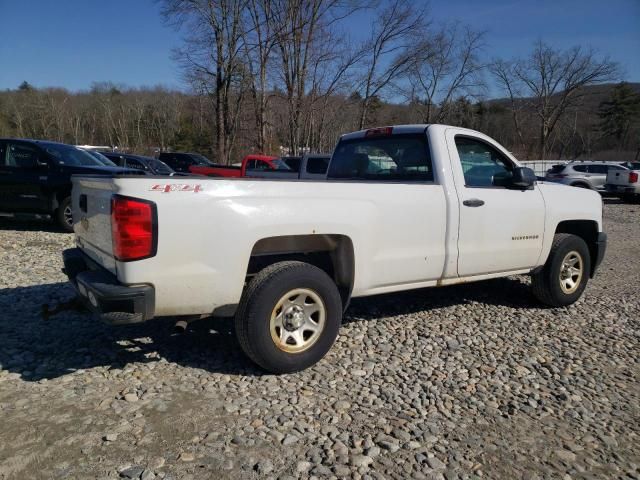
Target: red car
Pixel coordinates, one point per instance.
(196, 163)
(250, 162)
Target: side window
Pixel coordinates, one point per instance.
(482, 164)
(251, 165)
(400, 158)
(3, 154)
(262, 165)
(580, 168)
(21, 155)
(132, 163)
(601, 169)
(317, 165)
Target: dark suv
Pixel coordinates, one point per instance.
(181, 162)
(35, 177)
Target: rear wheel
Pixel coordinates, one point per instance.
(64, 215)
(288, 317)
(566, 273)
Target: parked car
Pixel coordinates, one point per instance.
(99, 157)
(150, 166)
(182, 162)
(285, 257)
(252, 163)
(625, 184)
(591, 175)
(196, 163)
(311, 166)
(35, 177)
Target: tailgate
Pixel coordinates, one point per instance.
(618, 177)
(91, 204)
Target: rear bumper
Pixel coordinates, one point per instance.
(100, 291)
(622, 189)
(601, 248)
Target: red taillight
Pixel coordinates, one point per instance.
(133, 228)
(379, 132)
(633, 177)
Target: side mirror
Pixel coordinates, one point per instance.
(523, 177)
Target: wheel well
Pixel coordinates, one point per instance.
(585, 229)
(59, 197)
(331, 253)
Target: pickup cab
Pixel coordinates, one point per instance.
(625, 183)
(401, 208)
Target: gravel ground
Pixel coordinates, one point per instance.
(473, 381)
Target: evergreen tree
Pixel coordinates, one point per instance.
(620, 113)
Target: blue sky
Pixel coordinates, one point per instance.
(72, 43)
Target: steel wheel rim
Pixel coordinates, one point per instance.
(571, 271)
(68, 215)
(297, 320)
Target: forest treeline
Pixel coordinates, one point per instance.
(277, 76)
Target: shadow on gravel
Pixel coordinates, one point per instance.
(37, 345)
(29, 223)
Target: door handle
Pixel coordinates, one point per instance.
(473, 202)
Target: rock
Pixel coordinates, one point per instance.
(303, 467)
(147, 475)
(566, 455)
(361, 461)
(289, 440)
(187, 457)
(131, 397)
(388, 445)
(110, 437)
(341, 470)
(132, 472)
(265, 467)
(157, 463)
(372, 452)
(436, 463)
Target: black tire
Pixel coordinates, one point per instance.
(547, 283)
(259, 301)
(61, 217)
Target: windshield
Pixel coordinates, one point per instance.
(101, 158)
(68, 155)
(279, 164)
(159, 167)
(200, 159)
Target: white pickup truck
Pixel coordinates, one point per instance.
(401, 208)
(625, 183)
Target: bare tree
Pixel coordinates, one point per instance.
(211, 58)
(300, 29)
(553, 81)
(386, 54)
(503, 71)
(443, 66)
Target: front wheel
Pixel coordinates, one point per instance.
(64, 216)
(288, 317)
(566, 272)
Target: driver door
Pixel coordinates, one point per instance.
(500, 228)
(23, 178)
